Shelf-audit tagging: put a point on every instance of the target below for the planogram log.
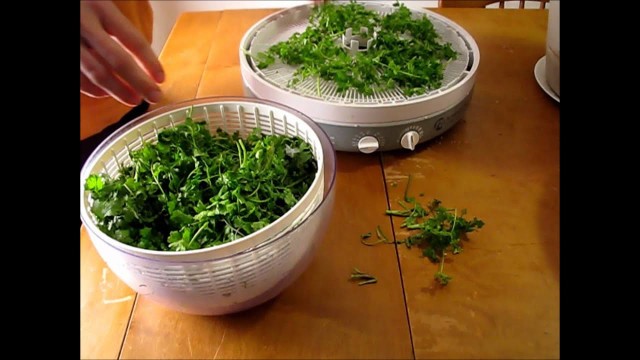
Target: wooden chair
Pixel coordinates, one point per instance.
(483, 3)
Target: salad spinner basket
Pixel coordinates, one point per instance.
(233, 276)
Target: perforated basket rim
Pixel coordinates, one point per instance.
(238, 246)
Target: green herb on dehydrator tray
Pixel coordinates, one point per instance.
(406, 52)
(193, 189)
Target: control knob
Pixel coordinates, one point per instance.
(368, 144)
(409, 140)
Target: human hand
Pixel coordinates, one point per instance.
(115, 58)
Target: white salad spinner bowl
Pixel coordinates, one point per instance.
(233, 276)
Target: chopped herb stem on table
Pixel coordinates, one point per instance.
(362, 278)
(438, 230)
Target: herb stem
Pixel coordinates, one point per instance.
(236, 231)
(242, 152)
(365, 242)
(382, 238)
(381, 235)
(129, 190)
(370, 281)
(157, 181)
(406, 189)
(367, 278)
(402, 213)
(197, 233)
(455, 217)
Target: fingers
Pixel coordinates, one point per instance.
(111, 57)
(134, 41)
(95, 70)
(89, 89)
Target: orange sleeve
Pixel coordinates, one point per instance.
(97, 114)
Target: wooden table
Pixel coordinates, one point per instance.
(501, 163)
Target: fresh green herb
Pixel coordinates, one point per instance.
(406, 52)
(193, 190)
(365, 235)
(366, 278)
(439, 230)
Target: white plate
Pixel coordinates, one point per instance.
(540, 72)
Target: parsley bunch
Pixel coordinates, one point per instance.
(193, 190)
(438, 229)
(406, 53)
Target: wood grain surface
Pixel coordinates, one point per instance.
(105, 305)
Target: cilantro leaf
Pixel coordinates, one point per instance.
(94, 183)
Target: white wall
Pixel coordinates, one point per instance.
(166, 12)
